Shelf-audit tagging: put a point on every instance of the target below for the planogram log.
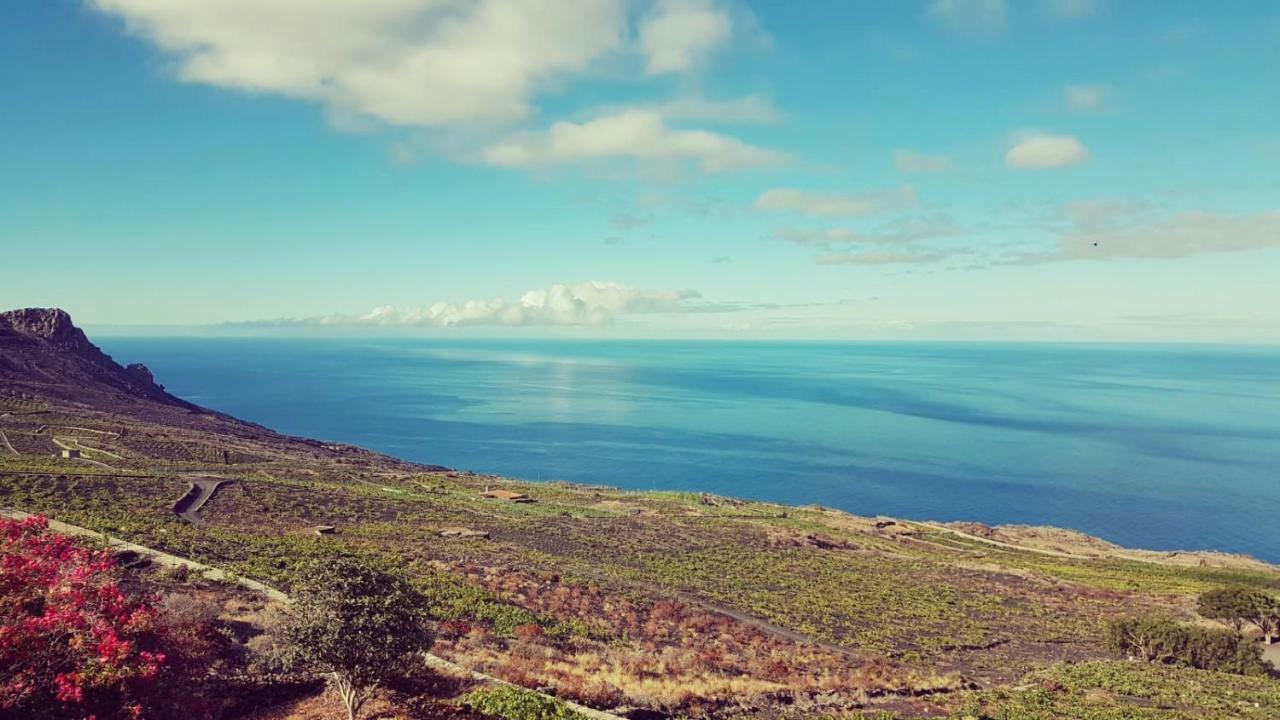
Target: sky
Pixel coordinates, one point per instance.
(1008, 170)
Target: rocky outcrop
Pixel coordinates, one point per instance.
(43, 347)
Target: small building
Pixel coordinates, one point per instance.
(507, 495)
(70, 454)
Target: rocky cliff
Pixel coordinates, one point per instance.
(41, 348)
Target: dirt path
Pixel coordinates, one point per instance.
(4, 440)
(198, 493)
(1011, 546)
(77, 445)
(1272, 654)
(767, 627)
(42, 428)
(156, 556)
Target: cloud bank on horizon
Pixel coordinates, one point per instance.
(581, 304)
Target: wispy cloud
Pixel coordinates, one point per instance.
(1117, 229)
(745, 109)
(914, 163)
(973, 17)
(1069, 9)
(1040, 152)
(630, 135)
(904, 231)
(904, 257)
(836, 204)
(1086, 98)
(589, 303)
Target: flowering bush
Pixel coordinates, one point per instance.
(71, 641)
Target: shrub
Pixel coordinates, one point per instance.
(356, 624)
(72, 643)
(1158, 640)
(514, 703)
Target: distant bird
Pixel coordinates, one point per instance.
(1095, 244)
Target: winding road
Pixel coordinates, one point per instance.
(200, 491)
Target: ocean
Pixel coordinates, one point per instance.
(1161, 447)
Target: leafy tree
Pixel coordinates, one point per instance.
(71, 641)
(1267, 617)
(1238, 605)
(1149, 639)
(1231, 605)
(358, 625)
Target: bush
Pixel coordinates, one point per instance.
(357, 624)
(515, 703)
(1158, 640)
(72, 642)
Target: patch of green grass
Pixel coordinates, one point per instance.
(513, 703)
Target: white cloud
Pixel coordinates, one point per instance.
(589, 303)
(404, 62)
(679, 34)
(631, 134)
(1038, 152)
(824, 204)
(1086, 98)
(913, 163)
(973, 17)
(1069, 9)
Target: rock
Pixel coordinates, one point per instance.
(44, 323)
(463, 533)
(38, 345)
(141, 373)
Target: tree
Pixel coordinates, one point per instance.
(356, 624)
(1231, 605)
(1267, 617)
(1238, 605)
(72, 642)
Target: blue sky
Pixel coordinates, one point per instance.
(1090, 170)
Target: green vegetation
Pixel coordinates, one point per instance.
(1238, 606)
(1158, 640)
(513, 703)
(620, 598)
(1127, 691)
(358, 625)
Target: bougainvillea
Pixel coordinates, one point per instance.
(71, 640)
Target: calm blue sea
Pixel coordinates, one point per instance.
(1158, 447)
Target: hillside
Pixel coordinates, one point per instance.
(667, 603)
